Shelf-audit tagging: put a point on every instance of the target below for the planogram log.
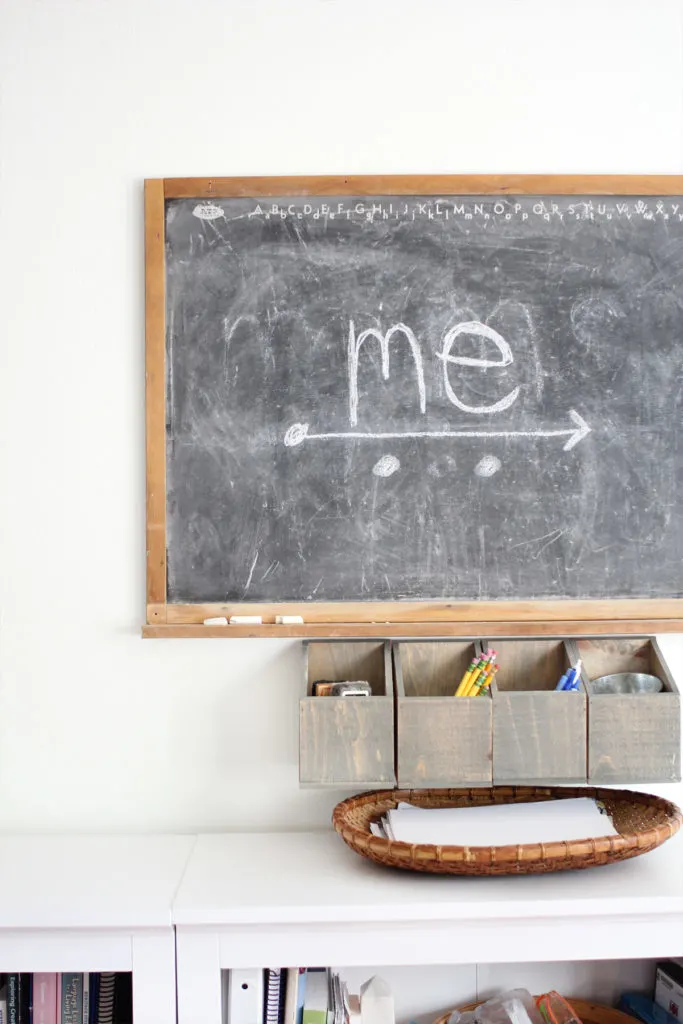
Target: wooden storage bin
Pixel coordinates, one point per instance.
(441, 740)
(631, 737)
(347, 741)
(539, 735)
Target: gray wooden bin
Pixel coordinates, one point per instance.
(539, 735)
(441, 740)
(347, 741)
(631, 737)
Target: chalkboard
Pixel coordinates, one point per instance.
(426, 397)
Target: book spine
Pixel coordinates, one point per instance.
(85, 1017)
(105, 1002)
(271, 1005)
(123, 997)
(72, 998)
(284, 978)
(94, 997)
(300, 996)
(26, 1004)
(13, 983)
(45, 998)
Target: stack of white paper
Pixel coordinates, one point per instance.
(544, 821)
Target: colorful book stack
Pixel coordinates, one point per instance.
(292, 995)
(67, 998)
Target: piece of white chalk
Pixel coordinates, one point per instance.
(219, 620)
(289, 620)
(245, 620)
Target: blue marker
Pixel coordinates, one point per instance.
(572, 681)
(562, 682)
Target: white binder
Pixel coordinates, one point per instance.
(245, 996)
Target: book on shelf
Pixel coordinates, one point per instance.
(105, 998)
(93, 1007)
(245, 996)
(71, 998)
(274, 985)
(291, 1004)
(67, 998)
(45, 998)
(18, 998)
(86, 998)
(289, 995)
(317, 997)
(115, 998)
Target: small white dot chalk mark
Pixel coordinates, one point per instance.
(386, 466)
(487, 466)
(296, 434)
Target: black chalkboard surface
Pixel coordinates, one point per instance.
(391, 397)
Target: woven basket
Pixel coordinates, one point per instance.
(643, 822)
(589, 1013)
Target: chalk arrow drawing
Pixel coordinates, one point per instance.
(299, 432)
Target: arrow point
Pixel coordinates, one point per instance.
(582, 430)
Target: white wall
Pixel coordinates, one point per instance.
(98, 729)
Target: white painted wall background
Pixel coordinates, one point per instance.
(98, 729)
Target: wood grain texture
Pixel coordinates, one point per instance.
(347, 741)
(529, 664)
(376, 630)
(441, 740)
(616, 654)
(383, 612)
(538, 735)
(632, 738)
(351, 660)
(155, 316)
(444, 741)
(426, 184)
(659, 667)
(432, 669)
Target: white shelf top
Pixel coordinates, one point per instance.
(80, 881)
(310, 878)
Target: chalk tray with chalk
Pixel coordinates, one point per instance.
(641, 823)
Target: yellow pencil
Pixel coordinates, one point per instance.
(464, 682)
(483, 684)
(471, 688)
(478, 667)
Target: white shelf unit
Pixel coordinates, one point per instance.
(95, 903)
(178, 911)
(249, 900)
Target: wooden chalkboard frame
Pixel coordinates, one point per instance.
(343, 619)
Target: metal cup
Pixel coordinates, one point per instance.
(627, 682)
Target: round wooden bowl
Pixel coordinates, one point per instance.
(589, 1013)
(642, 821)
